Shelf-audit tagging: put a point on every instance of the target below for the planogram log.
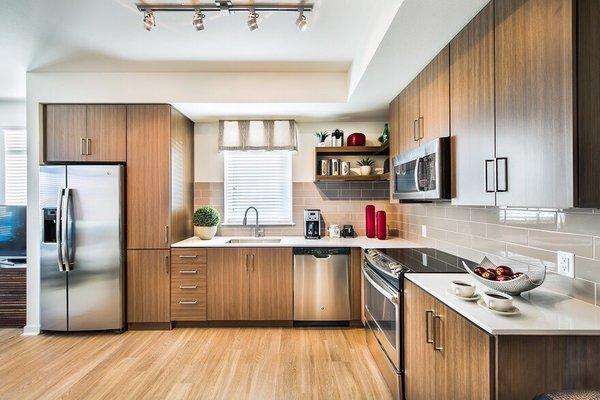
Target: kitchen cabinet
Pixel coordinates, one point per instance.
(408, 118)
(83, 133)
(159, 176)
(188, 284)
(249, 284)
(148, 286)
(472, 111)
(13, 297)
(434, 98)
(534, 102)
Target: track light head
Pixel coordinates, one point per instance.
(198, 20)
(301, 22)
(252, 20)
(149, 21)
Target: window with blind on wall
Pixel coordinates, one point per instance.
(15, 167)
(262, 179)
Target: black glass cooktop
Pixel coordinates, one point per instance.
(427, 260)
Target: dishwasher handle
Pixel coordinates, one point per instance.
(321, 252)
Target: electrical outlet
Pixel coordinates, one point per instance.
(424, 230)
(566, 263)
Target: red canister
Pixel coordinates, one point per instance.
(370, 220)
(381, 224)
(356, 139)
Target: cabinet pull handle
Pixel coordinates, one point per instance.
(188, 302)
(421, 129)
(88, 146)
(188, 256)
(247, 269)
(487, 177)
(502, 174)
(188, 271)
(188, 287)
(427, 319)
(252, 267)
(436, 333)
(167, 266)
(82, 147)
(415, 138)
(167, 234)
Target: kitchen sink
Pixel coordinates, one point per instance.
(255, 240)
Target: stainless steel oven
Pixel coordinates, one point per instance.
(423, 173)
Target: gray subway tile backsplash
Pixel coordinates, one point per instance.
(579, 244)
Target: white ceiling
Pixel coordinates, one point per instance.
(381, 44)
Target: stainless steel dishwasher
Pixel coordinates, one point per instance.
(321, 284)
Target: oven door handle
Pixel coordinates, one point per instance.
(380, 286)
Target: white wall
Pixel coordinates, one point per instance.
(209, 162)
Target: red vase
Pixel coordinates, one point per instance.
(381, 224)
(370, 220)
(356, 139)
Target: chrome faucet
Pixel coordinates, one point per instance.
(258, 231)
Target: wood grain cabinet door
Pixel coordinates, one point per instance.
(408, 115)
(227, 284)
(394, 139)
(64, 132)
(434, 98)
(148, 286)
(472, 109)
(148, 176)
(419, 309)
(463, 357)
(270, 284)
(106, 133)
(534, 102)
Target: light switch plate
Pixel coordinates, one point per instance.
(566, 263)
(424, 230)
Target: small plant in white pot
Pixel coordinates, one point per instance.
(206, 220)
(366, 164)
(321, 137)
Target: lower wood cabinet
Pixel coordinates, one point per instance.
(249, 284)
(188, 285)
(148, 286)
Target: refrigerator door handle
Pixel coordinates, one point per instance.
(59, 217)
(68, 228)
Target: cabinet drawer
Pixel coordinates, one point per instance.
(188, 271)
(188, 256)
(188, 307)
(186, 286)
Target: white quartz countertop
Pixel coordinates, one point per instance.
(298, 241)
(543, 312)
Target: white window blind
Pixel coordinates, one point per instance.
(262, 179)
(15, 167)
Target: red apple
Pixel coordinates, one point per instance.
(491, 271)
(504, 270)
(479, 270)
(489, 275)
(502, 278)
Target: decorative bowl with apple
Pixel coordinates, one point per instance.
(503, 279)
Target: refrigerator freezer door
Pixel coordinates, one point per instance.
(53, 299)
(96, 278)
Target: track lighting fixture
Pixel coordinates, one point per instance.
(198, 20)
(225, 7)
(252, 20)
(301, 22)
(149, 21)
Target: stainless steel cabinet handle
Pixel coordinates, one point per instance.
(188, 287)
(188, 271)
(88, 147)
(187, 256)
(427, 314)
(421, 129)
(82, 149)
(166, 233)
(502, 174)
(188, 302)
(167, 266)
(415, 138)
(489, 188)
(252, 265)
(436, 332)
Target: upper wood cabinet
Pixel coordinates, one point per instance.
(472, 111)
(159, 176)
(434, 98)
(534, 102)
(148, 286)
(249, 284)
(408, 118)
(84, 133)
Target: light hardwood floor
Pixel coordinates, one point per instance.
(191, 363)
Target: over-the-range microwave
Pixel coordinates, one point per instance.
(423, 173)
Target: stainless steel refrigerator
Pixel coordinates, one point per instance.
(82, 248)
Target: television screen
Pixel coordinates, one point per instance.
(13, 231)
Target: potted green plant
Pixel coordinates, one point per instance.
(365, 165)
(321, 136)
(206, 220)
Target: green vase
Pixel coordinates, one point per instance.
(385, 136)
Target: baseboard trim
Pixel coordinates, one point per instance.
(31, 330)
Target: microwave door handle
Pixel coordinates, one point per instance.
(417, 167)
(59, 217)
(391, 297)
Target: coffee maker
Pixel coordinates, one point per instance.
(312, 224)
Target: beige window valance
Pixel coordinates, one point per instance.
(258, 135)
